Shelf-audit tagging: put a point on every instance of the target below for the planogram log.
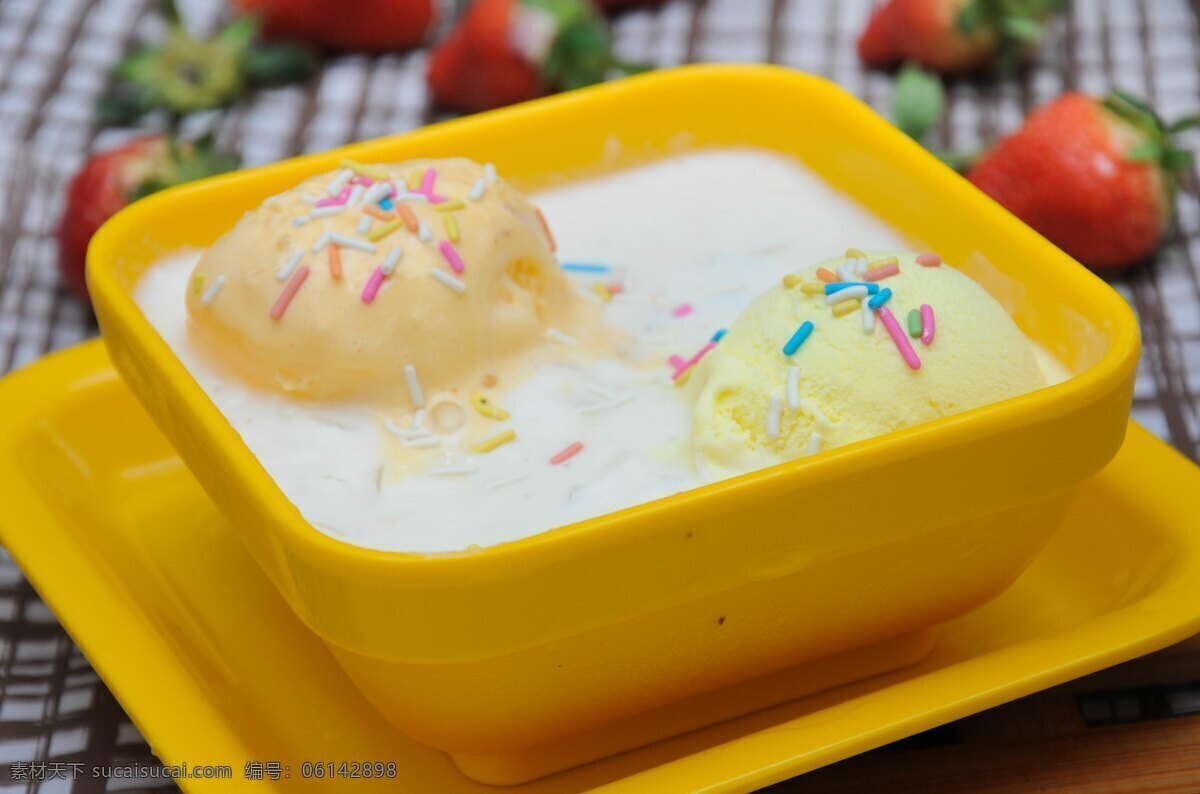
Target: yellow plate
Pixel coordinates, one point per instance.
(215, 668)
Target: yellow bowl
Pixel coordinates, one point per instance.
(488, 653)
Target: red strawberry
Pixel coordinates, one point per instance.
(1096, 177)
(341, 25)
(506, 51)
(954, 35)
(110, 180)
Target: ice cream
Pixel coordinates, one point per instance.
(805, 368)
(359, 281)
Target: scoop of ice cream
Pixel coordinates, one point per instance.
(362, 281)
(847, 383)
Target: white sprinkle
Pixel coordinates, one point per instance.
(845, 294)
(356, 194)
(447, 471)
(477, 189)
(210, 294)
(409, 433)
(559, 336)
(376, 193)
(311, 199)
(292, 263)
(347, 241)
(489, 172)
(793, 388)
(810, 408)
(845, 272)
(364, 225)
(814, 443)
(419, 418)
(340, 181)
(592, 409)
(868, 317)
(300, 220)
(321, 242)
(774, 414)
(424, 233)
(414, 386)
(449, 280)
(860, 266)
(424, 442)
(404, 195)
(587, 294)
(506, 481)
(393, 258)
(325, 212)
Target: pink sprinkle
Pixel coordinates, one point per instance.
(880, 273)
(362, 180)
(289, 291)
(434, 198)
(427, 181)
(456, 263)
(899, 337)
(568, 453)
(693, 361)
(929, 260)
(927, 327)
(677, 361)
(615, 288)
(682, 310)
(373, 284)
(334, 201)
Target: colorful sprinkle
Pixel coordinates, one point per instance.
(792, 280)
(290, 266)
(812, 288)
(364, 226)
(371, 289)
(407, 433)
(379, 214)
(847, 293)
(391, 260)
(300, 220)
(338, 200)
(793, 388)
(434, 198)
(798, 338)
(409, 217)
(339, 182)
(424, 233)
(356, 196)
(326, 212)
(868, 318)
(914, 323)
(427, 180)
(415, 393)
(414, 180)
(321, 242)
(448, 280)
(423, 441)
(841, 285)
(451, 224)
(845, 307)
(603, 292)
(346, 241)
(546, 229)
(681, 378)
(387, 204)
(498, 440)
(694, 360)
(677, 361)
(897, 333)
(450, 206)
(883, 297)
(289, 291)
(451, 256)
(197, 283)
(927, 324)
(585, 267)
(814, 443)
(377, 192)
(489, 172)
(477, 189)
(335, 262)
(720, 334)
(211, 293)
(855, 253)
(826, 275)
(809, 407)
(929, 260)
(682, 310)
(363, 170)
(484, 407)
(383, 230)
(880, 273)
(774, 416)
(568, 453)
(559, 336)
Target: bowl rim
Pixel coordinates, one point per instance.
(119, 308)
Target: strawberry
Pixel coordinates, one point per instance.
(954, 35)
(110, 180)
(184, 74)
(506, 51)
(1096, 177)
(338, 25)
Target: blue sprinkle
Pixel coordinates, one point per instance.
(387, 204)
(584, 267)
(798, 338)
(840, 285)
(884, 295)
(719, 335)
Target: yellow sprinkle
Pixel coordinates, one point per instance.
(684, 376)
(449, 206)
(813, 288)
(414, 179)
(452, 228)
(602, 291)
(878, 263)
(485, 407)
(498, 440)
(197, 283)
(854, 253)
(845, 307)
(792, 280)
(384, 229)
(364, 170)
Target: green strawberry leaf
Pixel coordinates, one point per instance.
(1014, 26)
(1184, 124)
(279, 63)
(581, 53)
(187, 161)
(1147, 151)
(919, 102)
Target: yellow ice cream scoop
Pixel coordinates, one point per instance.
(808, 366)
(381, 282)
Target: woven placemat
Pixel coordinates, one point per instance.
(55, 56)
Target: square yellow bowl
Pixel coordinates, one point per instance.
(493, 653)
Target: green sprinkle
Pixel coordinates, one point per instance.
(914, 323)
